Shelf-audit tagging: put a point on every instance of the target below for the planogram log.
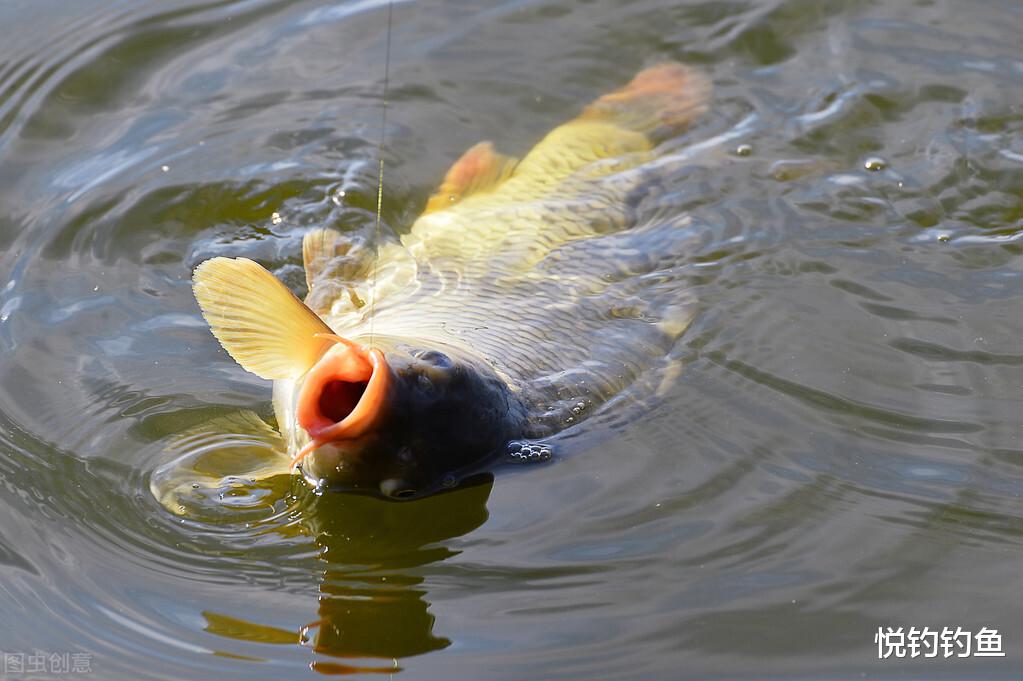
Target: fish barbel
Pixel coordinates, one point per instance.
(514, 306)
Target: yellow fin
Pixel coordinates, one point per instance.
(318, 248)
(335, 264)
(329, 253)
(237, 453)
(257, 319)
(480, 169)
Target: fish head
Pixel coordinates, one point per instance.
(401, 420)
(401, 417)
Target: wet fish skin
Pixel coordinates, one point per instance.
(510, 274)
(444, 415)
(534, 272)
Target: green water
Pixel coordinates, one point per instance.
(842, 451)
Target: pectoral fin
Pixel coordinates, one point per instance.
(319, 247)
(329, 254)
(336, 265)
(233, 466)
(260, 323)
(480, 169)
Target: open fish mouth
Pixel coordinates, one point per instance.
(344, 395)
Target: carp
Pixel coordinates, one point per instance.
(523, 299)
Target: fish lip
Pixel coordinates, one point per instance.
(353, 364)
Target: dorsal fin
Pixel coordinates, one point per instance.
(480, 169)
(260, 323)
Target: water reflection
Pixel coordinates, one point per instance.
(373, 605)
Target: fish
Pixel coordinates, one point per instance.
(518, 304)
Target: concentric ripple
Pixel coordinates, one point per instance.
(834, 446)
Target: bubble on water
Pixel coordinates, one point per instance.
(275, 218)
(530, 452)
(944, 238)
(875, 163)
(744, 150)
(165, 168)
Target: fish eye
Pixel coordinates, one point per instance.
(438, 359)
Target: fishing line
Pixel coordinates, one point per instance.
(380, 172)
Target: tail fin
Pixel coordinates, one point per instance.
(658, 102)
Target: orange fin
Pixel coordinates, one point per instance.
(480, 169)
(658, 102)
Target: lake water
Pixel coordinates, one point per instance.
(843, 450)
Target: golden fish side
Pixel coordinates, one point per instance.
(524, 298)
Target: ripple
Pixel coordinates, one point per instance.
(836, 441)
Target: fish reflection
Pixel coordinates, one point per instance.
(373, 605)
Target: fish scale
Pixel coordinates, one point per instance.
(519, 311)
(526, 326)
(527, 295)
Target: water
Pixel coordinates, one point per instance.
(842, 451)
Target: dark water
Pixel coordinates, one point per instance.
(843, 450)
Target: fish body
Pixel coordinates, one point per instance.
(513, 306)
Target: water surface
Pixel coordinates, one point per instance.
(842, 451)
